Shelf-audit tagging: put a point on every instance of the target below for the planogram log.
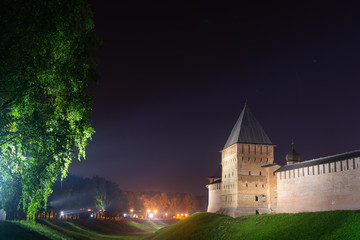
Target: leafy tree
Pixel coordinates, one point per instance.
(164, 202)
(47, 66)
(189, 203)
(100, 197)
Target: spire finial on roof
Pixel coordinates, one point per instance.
(292, 156)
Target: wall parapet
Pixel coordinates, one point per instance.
(319, 169)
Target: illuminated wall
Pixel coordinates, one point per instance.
(214, 203)
(325, 187)
(245, 183)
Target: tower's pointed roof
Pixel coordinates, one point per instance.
(247, 130)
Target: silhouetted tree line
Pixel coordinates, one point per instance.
(97, 193)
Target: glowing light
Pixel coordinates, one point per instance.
(182, 214)
(124, 214)
(148, 210)
(62, 213)
(92, 215)
(151, 215)
(186, 214)
(131, 210)
(178, 215)
(165, 214)
(89, 210)
(155, 211)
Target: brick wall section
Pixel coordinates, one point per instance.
(324, 187)
(271, 188)
(244, 182)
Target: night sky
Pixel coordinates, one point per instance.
(175, 78)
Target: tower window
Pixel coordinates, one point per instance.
(255, 185)
(263, 185)
(247, 185)
(260, 173)
(256, 198)
(249, 173)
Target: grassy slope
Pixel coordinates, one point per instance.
(321, 225)
(9, 230)
(90, 229)
(302, 226)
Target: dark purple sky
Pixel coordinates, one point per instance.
(174, 79)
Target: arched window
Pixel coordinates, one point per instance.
(260, 173)
(249, 173)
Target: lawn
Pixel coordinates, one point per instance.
(81, 229)
(344, 225)
(303, 226)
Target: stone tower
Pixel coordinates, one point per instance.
(247, 168)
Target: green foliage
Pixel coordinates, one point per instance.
(302, 226)
(47, 67)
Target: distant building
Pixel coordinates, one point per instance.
(251, 183)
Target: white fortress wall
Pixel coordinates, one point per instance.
(214, 203)
(323, 187)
